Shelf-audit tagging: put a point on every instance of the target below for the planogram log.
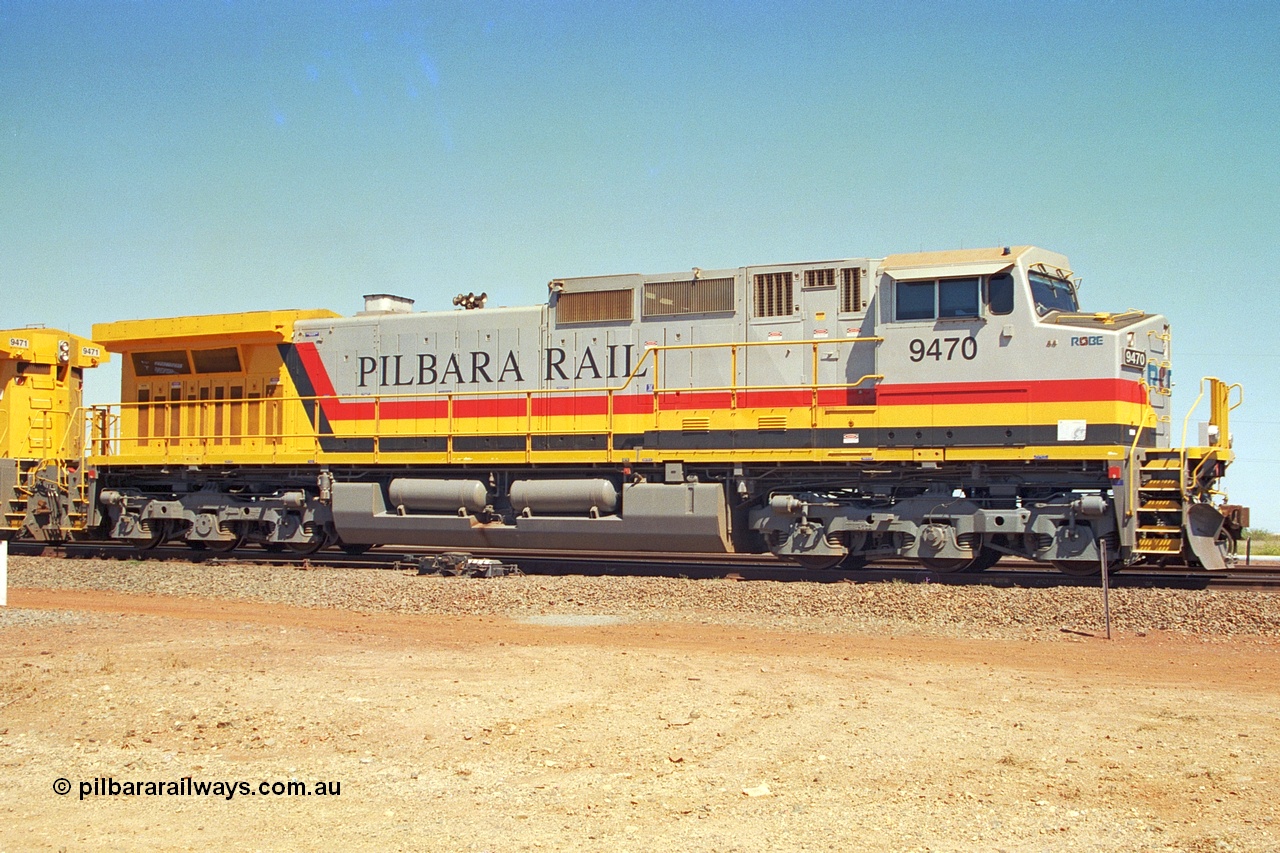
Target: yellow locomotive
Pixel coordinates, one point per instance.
(44, 487)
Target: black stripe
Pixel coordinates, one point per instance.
(585, 441)
(329, 444)
(302, 383)
(478, 443)
(414, 444)
(872, 438)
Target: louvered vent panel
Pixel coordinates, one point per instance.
(851, 290)
(594, 306)
(772, 423)
(773, 296)
(701, 296)
(819, 278)
(696, 425)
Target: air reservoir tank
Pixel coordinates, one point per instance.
(563, 497)
(439, 495)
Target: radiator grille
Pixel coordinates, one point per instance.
(700, 296)
(820, 278)
(773, 296)
(851, 290)
(594, 306)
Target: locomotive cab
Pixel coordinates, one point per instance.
(1003, 326)
(1035, 429)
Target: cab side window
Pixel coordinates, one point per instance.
(915, 300)
(946, 298)
(958, 297)
(1000, 294)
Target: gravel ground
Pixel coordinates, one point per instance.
(631, 714)
(968, 611)
(19, 617)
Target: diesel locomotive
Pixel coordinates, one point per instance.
(43, 489)
(948, 407)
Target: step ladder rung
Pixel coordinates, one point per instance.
(1158, 546)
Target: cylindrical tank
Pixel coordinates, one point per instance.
(564, 496)
(439, 495)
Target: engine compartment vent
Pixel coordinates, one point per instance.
(773, 295)
(594, 306)
(694, 296)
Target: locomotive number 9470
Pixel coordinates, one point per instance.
(944, 349)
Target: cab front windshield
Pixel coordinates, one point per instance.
(1052, 294)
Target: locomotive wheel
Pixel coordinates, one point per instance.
(1078, 568)
(819, 562)
(854, 561)
(1085, 568)
(150, 544)
(942, 564)
(221, 546)
(217, 546)
(318, 540)
(986, 558)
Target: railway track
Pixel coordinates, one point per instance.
(1010, 573)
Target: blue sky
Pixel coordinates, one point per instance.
(163, 158)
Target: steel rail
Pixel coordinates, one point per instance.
(1012, 572)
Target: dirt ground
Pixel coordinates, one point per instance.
(481, 733)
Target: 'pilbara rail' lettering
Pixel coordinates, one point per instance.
(613, 361)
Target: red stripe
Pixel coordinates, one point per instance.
(311, 362)
(1046, 391)
(545, 404)
(633, 404)
(770, 399)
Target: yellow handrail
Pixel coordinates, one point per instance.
(1104, 317)
(1187, 418)
(1220, 408)
(1134, 474)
